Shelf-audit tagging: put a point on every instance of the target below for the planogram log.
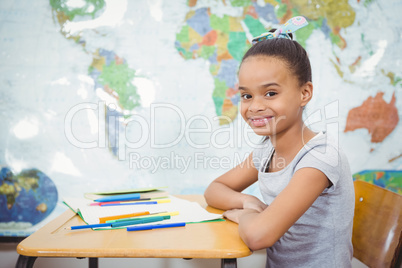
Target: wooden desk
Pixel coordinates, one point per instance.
(218, 240)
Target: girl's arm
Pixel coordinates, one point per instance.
(225, 191)
(262, 230)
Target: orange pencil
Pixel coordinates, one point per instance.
(104, 219)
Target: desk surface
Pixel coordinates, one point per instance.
(199, 240)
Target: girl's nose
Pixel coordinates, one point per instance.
(256, 105)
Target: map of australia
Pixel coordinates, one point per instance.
(377, 116)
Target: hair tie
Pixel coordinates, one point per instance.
(283, 31)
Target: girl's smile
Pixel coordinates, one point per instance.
(259, 121)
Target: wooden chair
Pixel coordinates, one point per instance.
(377, 225)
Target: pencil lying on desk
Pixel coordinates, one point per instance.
(119, 197)
(155, 226)
(116, 202)
(128, 203)
(174, 213)
(86, 226)
(140, 221)
(104, 219)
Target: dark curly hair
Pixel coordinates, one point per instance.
(290, 51)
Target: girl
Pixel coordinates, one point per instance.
(304, 178)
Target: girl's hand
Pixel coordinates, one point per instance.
(235, 214)
(252, 202)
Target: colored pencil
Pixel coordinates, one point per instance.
(138, 221)
(155, 226)
(104, 219)
(85, 226)
(135, 203)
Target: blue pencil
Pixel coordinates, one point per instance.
(155, 226)
(119, 197)
(127, 204)
(90, 226)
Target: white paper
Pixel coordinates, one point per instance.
(188, 211)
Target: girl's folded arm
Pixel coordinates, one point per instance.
(262, 230)
(225, 191)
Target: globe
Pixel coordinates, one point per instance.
(26, 198)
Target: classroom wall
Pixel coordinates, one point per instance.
(126, 94)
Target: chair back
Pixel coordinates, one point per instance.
(377, 226)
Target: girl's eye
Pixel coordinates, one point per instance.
(246, 96)
(271, 94)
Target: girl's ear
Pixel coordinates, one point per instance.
(306, 93)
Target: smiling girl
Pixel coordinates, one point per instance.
(307, 214)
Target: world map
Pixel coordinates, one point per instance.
(144, 93)
(222, 41)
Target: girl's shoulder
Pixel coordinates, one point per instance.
(324, 153)
(323, 146)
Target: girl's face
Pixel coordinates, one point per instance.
(271, 98)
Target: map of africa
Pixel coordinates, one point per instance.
(144, 93)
